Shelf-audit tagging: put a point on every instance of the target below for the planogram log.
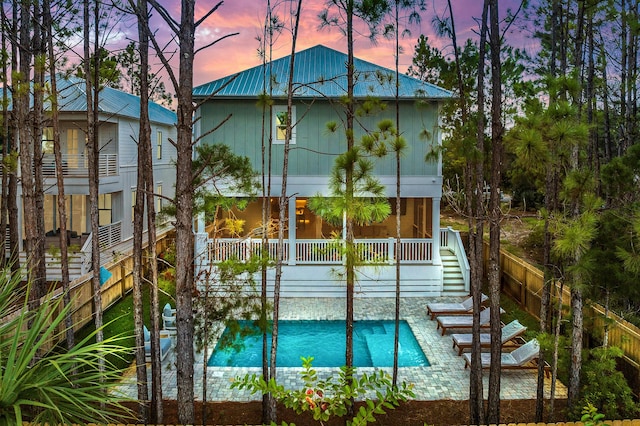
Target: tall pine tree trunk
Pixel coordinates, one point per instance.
(284, 199)
(13, 134)
(184, 216)
(37, 118)
(57, 151)
(476, 408)
(91, 72)
(146, 183)
(21, 103)
(495, 216)
(268, 402)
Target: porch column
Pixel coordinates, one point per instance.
(292, 231)
(201, 255)
(201, 245)
(435, 229)
(200, 225)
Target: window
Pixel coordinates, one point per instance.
(75, 152)
(159, 198)
(104, 209)
(133, 203)
(159, 144)
(47, 140)
(280, 124)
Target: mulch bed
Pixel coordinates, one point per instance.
(418, 413)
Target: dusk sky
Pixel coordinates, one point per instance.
(246, 17)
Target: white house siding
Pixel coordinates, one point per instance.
(163, 170)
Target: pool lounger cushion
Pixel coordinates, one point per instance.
(510, 333)
(523, 358)
(464, 321)
(464, 307)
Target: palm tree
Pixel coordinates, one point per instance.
(59, 385)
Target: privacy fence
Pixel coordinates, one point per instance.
(524, 283)
(116, 277)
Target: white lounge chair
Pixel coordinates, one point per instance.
(510, 333)
(165, 344)
(464, 321)
(455, 308)
(523, 358)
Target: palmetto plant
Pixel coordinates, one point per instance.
(56, 385)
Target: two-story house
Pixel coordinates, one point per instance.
(432, 260)
(118, 117)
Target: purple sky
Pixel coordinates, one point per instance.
(246, 17)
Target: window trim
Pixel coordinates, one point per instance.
(158, 144)
(276, 110)
(158, 197)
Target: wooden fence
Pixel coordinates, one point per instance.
(112, 290)
(524, 282)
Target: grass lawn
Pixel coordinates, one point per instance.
(118, 319)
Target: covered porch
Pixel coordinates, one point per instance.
(313, 252)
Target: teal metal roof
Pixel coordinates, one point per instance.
(320, 72)
(72, 98)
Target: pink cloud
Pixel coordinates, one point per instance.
(246, 18)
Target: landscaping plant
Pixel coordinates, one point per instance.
(52, 386)
(334, 396)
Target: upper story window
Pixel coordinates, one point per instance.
(159, 145)
(280, 124)
(159, 197)
(47, 140)
(133, 203)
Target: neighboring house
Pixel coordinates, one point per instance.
(119, 114)
(433, 260)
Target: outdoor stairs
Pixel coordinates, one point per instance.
(54, 270)
(453, 281)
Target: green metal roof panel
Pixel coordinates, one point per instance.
(72, 98)
(320, 72)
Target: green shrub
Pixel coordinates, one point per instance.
(604, 387)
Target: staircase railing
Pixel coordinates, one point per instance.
(450, 238)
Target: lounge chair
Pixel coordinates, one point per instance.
(165, 344)
(523, 358)
(510, 333)
(169, 318)
(464, 321)
(456, 308)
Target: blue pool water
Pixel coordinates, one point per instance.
(325, 342)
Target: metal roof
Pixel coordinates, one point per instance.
(72, 98)
(320, 72)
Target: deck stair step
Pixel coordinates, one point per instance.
(453, 280)
(380, 349)
(374, 330)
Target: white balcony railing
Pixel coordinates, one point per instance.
(324, 252)
(109, 235)
(77, 165)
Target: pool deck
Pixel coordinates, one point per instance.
(445, 378)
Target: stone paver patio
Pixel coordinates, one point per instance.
(445, 378)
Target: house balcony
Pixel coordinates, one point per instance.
(80, 250)
(77, 165)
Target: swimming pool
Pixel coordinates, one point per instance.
(325, 342)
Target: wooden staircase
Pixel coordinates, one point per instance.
(453, 281)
